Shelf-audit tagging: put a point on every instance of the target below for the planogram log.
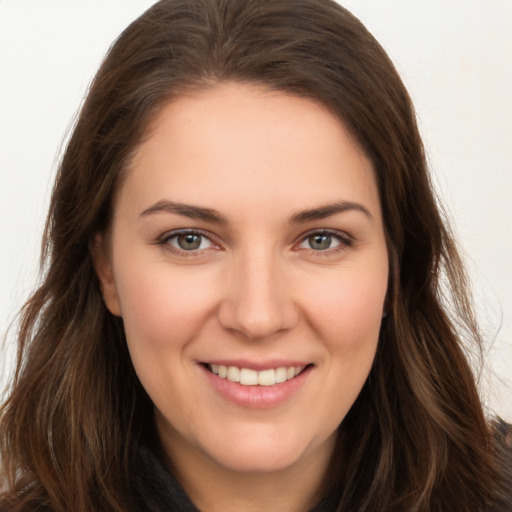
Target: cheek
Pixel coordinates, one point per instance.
(163, 307)
(163, 311)
(349, 310)
(347, 318)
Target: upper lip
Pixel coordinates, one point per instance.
(258, 365)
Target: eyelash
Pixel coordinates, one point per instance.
(165, 240)
(345, 242)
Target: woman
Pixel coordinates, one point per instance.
(246, 299)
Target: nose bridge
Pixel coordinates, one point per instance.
(258, 302)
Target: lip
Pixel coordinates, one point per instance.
(257, 397)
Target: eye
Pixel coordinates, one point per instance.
(186, 241)
(325, 241)
(321, 241)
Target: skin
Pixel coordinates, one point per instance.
(255, 290)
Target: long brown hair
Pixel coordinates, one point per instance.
(416, 438)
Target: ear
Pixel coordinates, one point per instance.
(103, 266)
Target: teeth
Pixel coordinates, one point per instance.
(233, 374)
(248, 377)
(280, 375)
(267, 378)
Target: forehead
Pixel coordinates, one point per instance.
(239, 145)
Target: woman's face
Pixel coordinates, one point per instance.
(247, 245)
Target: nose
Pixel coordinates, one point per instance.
(258, 301)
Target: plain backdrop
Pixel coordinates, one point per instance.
(455, 56)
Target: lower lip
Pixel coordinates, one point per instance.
(257, 397)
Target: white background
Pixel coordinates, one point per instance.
(454, 55)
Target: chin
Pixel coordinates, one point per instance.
(260, 462)
(272, 452)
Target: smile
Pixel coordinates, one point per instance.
(249, 377)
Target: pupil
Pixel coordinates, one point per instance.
(320, 242)
(189, 241)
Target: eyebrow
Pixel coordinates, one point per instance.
(325, 211)
(187, 210)
(211, 215)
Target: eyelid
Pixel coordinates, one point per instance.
(343, 237)
(163, 241)
(345, 241)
